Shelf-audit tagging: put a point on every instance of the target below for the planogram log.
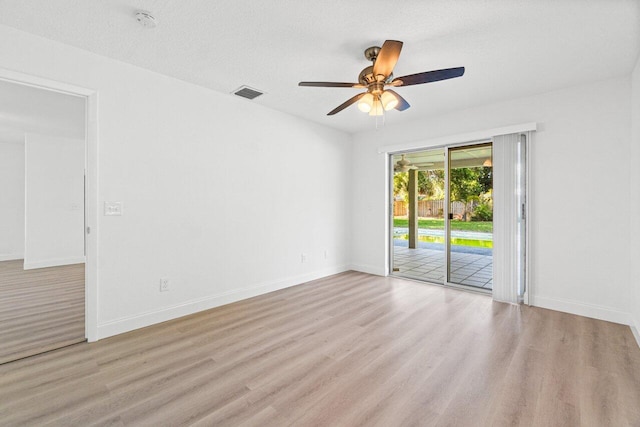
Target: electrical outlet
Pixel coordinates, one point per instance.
(303, 258)
(326, 254)
(164, 285)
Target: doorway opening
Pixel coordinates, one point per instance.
(442, 215)
(43, 139)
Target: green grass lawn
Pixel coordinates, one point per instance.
(481, 226)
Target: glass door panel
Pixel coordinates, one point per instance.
(470, 216)
(418, 233)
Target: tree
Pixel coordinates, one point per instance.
(430, 184)
(433, 184)
(485, 177)
(466, 187)
(401, 185)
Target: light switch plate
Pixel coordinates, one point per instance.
(112, 208)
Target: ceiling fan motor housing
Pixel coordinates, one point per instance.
(366, 76)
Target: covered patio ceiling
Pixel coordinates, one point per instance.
(462, 157)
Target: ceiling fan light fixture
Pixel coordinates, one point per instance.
(389, 100)
(365, 103)
(376, 108)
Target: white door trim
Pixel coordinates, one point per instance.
(91, 166)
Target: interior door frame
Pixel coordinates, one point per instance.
(447, 231)
(91, 187)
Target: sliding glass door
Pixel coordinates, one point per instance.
(470, 216)
(442, 208)
(418, 226)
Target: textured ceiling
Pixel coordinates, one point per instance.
(509, 48)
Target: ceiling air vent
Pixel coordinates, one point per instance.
(247, 92)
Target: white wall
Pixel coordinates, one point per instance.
(580, 192)
(54, 194)
(11, 200)
(634, 276)
(220, 195)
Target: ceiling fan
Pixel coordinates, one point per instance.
(376, 77)
(403, 165)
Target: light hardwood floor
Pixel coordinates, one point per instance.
(40, 309)
(346, 350)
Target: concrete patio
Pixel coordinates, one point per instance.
(469, 266)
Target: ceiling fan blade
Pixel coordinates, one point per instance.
(387, 58)
(402, 103)
(345, 104)
(428, 77)
(331, 84)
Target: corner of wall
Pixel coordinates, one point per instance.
(635, 329)
(369, 269)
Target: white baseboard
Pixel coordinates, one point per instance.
(370, 269)
(10, 257)
(130, 323)
(53, 262)
(581, 309)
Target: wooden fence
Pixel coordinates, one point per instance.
(428, 208)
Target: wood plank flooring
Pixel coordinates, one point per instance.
(40, 309)
(347, 350)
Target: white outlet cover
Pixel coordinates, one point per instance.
(112, 208)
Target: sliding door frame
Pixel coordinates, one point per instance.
(447, 207)
(447, 225)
